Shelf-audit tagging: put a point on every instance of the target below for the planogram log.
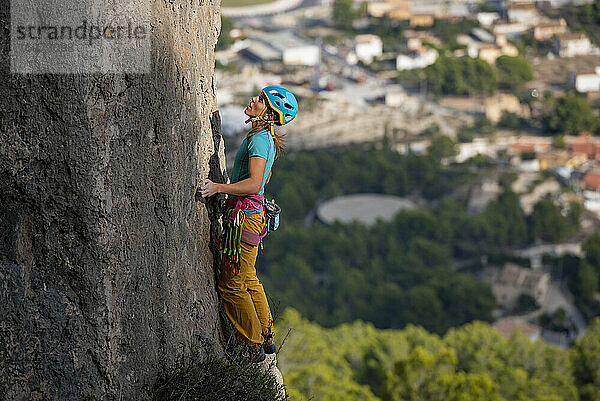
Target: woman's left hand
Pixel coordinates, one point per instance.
(207, 188)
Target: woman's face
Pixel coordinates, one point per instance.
(255, 107)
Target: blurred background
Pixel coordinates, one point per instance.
(440, 194)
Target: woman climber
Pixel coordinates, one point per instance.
(244, 220)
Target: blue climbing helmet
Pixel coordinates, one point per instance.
(282, 101)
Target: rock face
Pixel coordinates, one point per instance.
(106, 263)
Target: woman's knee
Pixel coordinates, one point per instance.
(235, 297)
(231, 287)
(255, 285)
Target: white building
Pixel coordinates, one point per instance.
(483, 35)
(526, 165)
(259, 51)
(511, 29)
(546, 30)
(477, 146)
(293, 50)
(368, 46)
(588, 81)
(482, 195)
(514, 281)
(457, 9)
(350, 56)
(395, 96)
(487, 19)
(420, 58)
(572, 44)
(561, 3)
(523, 12)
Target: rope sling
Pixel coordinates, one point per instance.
(232, 240)
(234, 233)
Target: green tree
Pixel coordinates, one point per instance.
(586, 361)
(483, 126)
(509, 120)
(513, 72)
(363, 7)
(570, 114)
(413, 374)
(507, 178)
(485, 7)
(447, 29)
(465, 134)
(504, 222)
(344, 14)
(355, 361)
(526, 303)
(558, 142)
(432, 129)
(425, 308)
(450, 75)
(464, 296)
(589, 13)
(575, 210)
(586, 13)
(547, 222)
(587, 281)
(591, 248)
(462, 386)
(485, 79)
(443, 146)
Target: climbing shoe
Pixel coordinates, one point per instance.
(269, 344)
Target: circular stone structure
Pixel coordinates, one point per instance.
(365, 208)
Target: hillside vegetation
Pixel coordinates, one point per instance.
(355, 361)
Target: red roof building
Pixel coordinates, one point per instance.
(522, 147)
(591, 181)
(586, 145)
(506, 327)
(531, 145)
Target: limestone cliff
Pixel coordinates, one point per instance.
(106, 269)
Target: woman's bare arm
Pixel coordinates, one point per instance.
(248, 186)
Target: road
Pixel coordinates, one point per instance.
(555, 299)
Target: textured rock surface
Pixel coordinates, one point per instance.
(106, 271)
(270, 365)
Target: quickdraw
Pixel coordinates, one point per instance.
(231, 245)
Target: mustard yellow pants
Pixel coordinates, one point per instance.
(243, 294)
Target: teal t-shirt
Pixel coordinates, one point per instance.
(260, 144)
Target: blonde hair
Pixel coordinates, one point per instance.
(260, 125)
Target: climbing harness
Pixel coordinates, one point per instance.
(230, 241)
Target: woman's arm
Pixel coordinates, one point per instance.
(249, 186)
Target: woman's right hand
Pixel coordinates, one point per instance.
(208, 188)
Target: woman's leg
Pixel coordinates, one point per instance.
(238, 303)
(257, 292)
